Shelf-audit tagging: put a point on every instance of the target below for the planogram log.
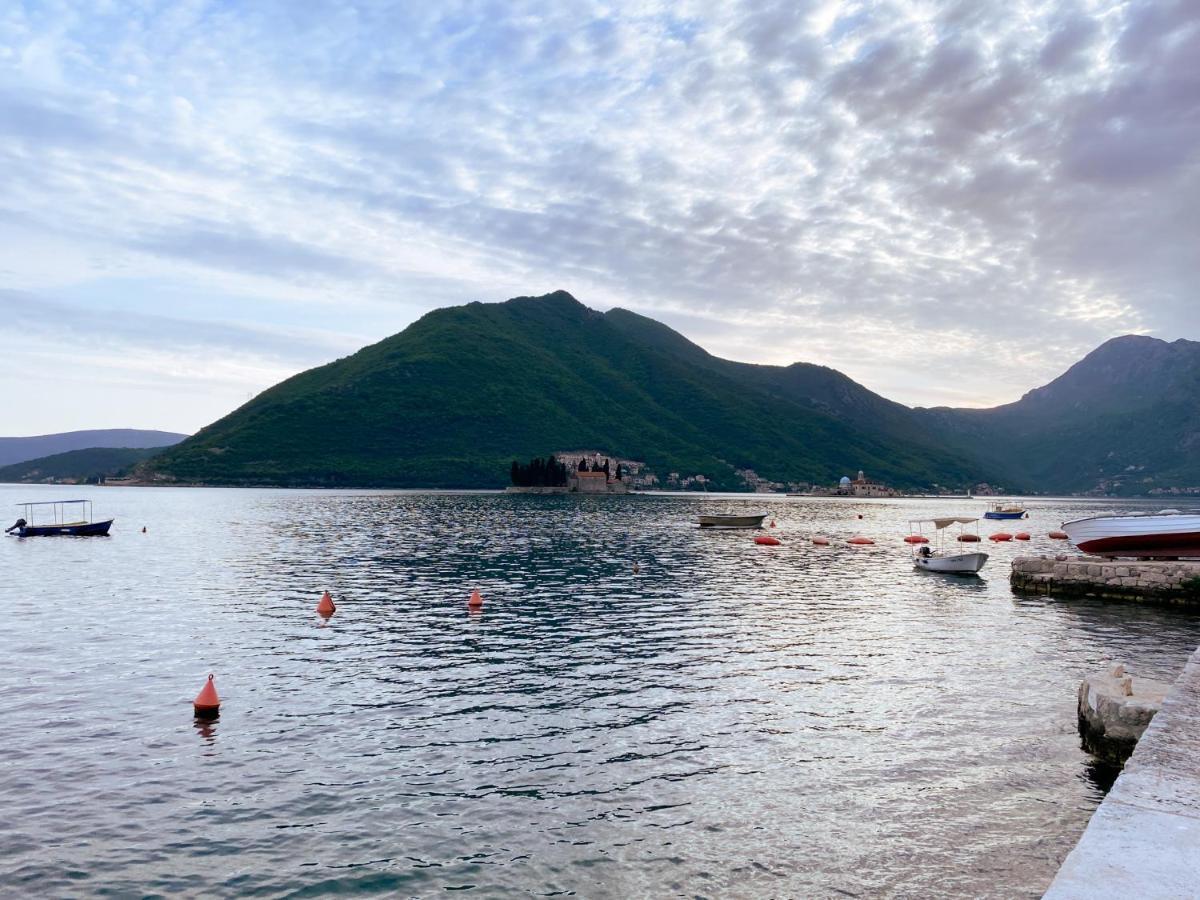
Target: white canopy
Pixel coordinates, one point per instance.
(948, 521)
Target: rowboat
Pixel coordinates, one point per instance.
(1169, 533)
(730, 521)
(59, 517)
(1000, 511)
(937, 558)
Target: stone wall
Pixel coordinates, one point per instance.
(1113, 579)
(1144, 839)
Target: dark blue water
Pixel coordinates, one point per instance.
(732, 720)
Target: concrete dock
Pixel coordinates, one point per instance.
(1144, 839)
(1143, 581)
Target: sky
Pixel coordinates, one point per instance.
(949, 202)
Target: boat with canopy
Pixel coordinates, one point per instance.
(935, 557)
(58, 517)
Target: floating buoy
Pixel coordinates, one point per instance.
(1022, 535)
(767, 541)
(143, 529)
(772, 523)
(1000, 536)
(916, 539)
(207, 704)
(968, 538)
(325, 607)
(636, 568)
(859, 539)
(1059, 535)
(860, 515)
(476, 600)
(821, 541)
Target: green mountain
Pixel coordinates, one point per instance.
(459, 394)
(1125, 419)
(91, 464)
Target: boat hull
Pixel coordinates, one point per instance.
(85, 529)
(732, 521)
(957, 564)
(1137, 536)
(993, 514)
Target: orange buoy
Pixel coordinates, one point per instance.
(916, 539)
(767, 541)
(1000, 536)
(821, 541)
(860, 540)
(207, 703)
(968, 538)
(476, 600)
(1022, 535)
(325, 607)
(1059, 535)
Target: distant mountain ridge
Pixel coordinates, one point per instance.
(20, 449)
(1125, 419)
(91, 465)
(455, 397)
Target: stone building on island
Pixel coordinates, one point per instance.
(862, 486)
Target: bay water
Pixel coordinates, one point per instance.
(730, 720)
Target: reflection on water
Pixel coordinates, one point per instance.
(728, 719)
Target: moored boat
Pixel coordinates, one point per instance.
(60, 517)
(1165, 534)
(936, 558)
(1001, 511)
(732, 521)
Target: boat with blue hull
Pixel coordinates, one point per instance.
(1000, 511)
(71, 518)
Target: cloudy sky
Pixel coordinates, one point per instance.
(950, 202)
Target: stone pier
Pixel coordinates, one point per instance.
(1147, 581)
(1144, 839)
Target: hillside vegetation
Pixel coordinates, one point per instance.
(455, 397)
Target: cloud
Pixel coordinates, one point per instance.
(846, 183)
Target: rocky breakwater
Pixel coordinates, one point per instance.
(1114, 710)
(1153, 581)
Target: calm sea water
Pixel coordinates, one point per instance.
(733, 720)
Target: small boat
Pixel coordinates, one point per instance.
(1000, 511)
(1169, 533)
(935, 558)
(730, 521)
(65, 517)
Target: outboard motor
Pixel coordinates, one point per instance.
(17, 525)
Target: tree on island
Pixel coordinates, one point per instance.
(538, 472)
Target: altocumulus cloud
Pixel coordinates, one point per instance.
(950, 202)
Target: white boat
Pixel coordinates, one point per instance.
(732, 521)
(1169, 533)
(937, 558)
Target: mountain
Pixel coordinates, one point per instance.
(1124, 419)
(19, 449)
(77, 465)
(455, 397)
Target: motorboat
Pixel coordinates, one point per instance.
(1002, 511)
(935, 557)
(732, 521)
(59, 517)
(1169, 533)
